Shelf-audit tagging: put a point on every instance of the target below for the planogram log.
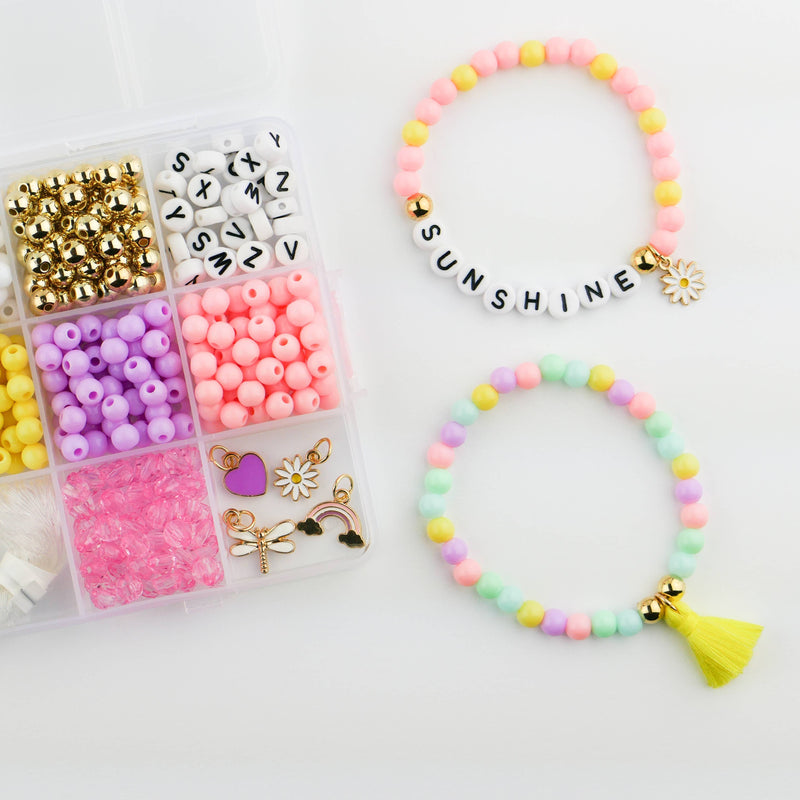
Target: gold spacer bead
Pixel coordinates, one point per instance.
(140, 284)
(419, 206)
(644, 260)
(672, 587)
(118, 277)
(18, 204)
(131, 169)
(157, 282)
(83, 293)
(142, 234)
(148, 260)
(49, 207)
(651, 609)
(55, 181)
(61, 276)
(107, 175)
(43, 300)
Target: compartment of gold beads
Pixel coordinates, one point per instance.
(84, 236)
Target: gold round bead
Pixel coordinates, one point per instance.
(24, 249)
(55, 181)
(18, 204)
(140, 284)
(92, 269)
(672, 587)
(111, 245)
(38, 262)
(83, 176)
(102, 290)
(644, 259)
(118, 201)
(18, 228)
(64, 302)
(148, 260)
(30, 186)
(43, 300)
(140, 207)
(67, 224)
(83, 293)
(74, 252)
(39, 229)
(157, 282)
(131, 168)
(108, 174)
(30, 283)
(99, 211)
(49, 207)
(61, 276)
(118, 277)
(419, 206)
(73, 197)
(88, 227)
(142, 234)
(651, 609)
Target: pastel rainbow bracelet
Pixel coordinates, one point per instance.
(683, 282)
(723, 647)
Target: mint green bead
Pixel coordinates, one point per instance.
(629, 622)
(552, 367)
(576, 374)
(604, 623)
(510, 599)
(682, 564)
(438, 481)
(691, 540)
(670, 446)
(658, 424)
(489, 585)
(465, 412)
(431, 505)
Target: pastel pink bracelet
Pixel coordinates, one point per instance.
(683, 282)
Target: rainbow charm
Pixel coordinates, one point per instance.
(338, 509)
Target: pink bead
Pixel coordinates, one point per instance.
(237, 304)
(190, 304)
(314, 336)
(443, 91)
(428, 111)
(467, 573)
(324, 386)
(660, 144)
(245, 352)
(321, 363)
(664, 241)
(201, 347)
(484, 62)
(302, 283)
(409, 158)
(279, 294)
(249, 373)
(407, 183)
(579, 626)
(670, 218)
(279, 405)
(300, 312)
(440, 455)
(581, 52)
(209, 413)
(297, 375)
(642, 405)
(251, 394)
(624, 80)
(305, 401)
(329, 401)
(233, 415)
(694, 515)
(286, 348)
(528, 375)
(261, 328)
(282, 325)
(215, 301)
(220, 335)
(641, 98)
(229, 376)
(556, 50)
(239, 325)
(666, 169)
(208, 392)
(255, 293)
(507, 55)
(269, 371)
(267, 310)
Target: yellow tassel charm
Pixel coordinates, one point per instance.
(723, 647)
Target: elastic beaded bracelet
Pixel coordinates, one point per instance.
(722, 647)
(682, 281)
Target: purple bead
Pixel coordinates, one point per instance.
(131, 328)
(94, 414)
(138, 310)
(454, 434)
(55, 381)
(48, 356)
(74, 447)
(184, 425)
(138, 370)
(160, 410)
(114, 350)
(72, 419)
(42, 334)
(168, 365)
(109, 329)
(67, 336)
(176, 389)
(135, 348)
(98, 443)
(116, 371)
(135, 404)
(75, 363)
(115, 407)
(89, 391)
(503, 379)
(554, 622)
(141, 426)
(111, 385)
(157, 313)
(155, 343)
(74, 381)
(61, 400)
(153, 393)
(621, 392)
(161, 430)
(108, 426)
(125, 437)
(91, 327)
(688, 491)
(58, 437)
(96, 363)
(454, 551)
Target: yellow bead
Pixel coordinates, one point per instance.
(18, 339)
(25, 408)
(668, 193)
(34, 456)
(531, 54)
(603, 66)
(14, 358)
(652, 120)
(601, 378)
(685, 466)
(10, 440)
(5, 461)
(17, 464)
(530, 614)
(5, 341)
(440, 530)
(415, 133)
(8, 421)
(20, 387)
(29, 430)
(464, 77)
(485, 396)
(6, 403)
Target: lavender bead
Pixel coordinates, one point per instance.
(98, 443)
(94, 414)
(114, 350)
(61, 400)
(115, 407)
(135, 405)
(91, 328)
(109, 329)
(161, 430)
(48, 356)
(155, 343)
(72, 419)
(135, 349)
(141, 426)
(74, 447)
(176, 389)
(116, 371)
(137, 370)
(108, 426)
(184, 426)
(89, 391)
(75, 363)
(125, 437)
(157, 313)
(111, 385)
(688, 491)
(58, 437)
(67, 336)
(55, 381)
(160, 410)
(42, 334)
(138, 310)
(74, 381)
(554, 622)
(96, 363)
(621, 392)
(453, 434)
(131, 328)
(153, 393)
(168, 365)
(454, 551)
(503, 379)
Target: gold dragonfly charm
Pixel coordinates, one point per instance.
(241, 526)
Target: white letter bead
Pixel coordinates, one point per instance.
(270, 144)
(281, 208)
(250, 164)
(220, 262)
(624, 281)
(291, 249)
(294, 223)
(200, 241)
(230, 175)
(208, 161)
(210, 216)
(177, 247)
(472, 280)
(204, 190)
(262, 229)
(228, 142)
(254, 256)
(446, 261)
(499, 298)
(563, 303)
(177, 215)
(280, 182)
(531, 301)
(188, 272)
(245, 196)
(180, 160)
(428, 233)
(235, 232)
(170, 183)
(593, 294)
(226, 200)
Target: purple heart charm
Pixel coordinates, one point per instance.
(249, 478)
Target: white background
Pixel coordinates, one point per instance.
(390, 681)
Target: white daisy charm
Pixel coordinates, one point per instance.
(683, 282)
(296, 478)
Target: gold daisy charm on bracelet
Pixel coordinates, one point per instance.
(683, 282)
